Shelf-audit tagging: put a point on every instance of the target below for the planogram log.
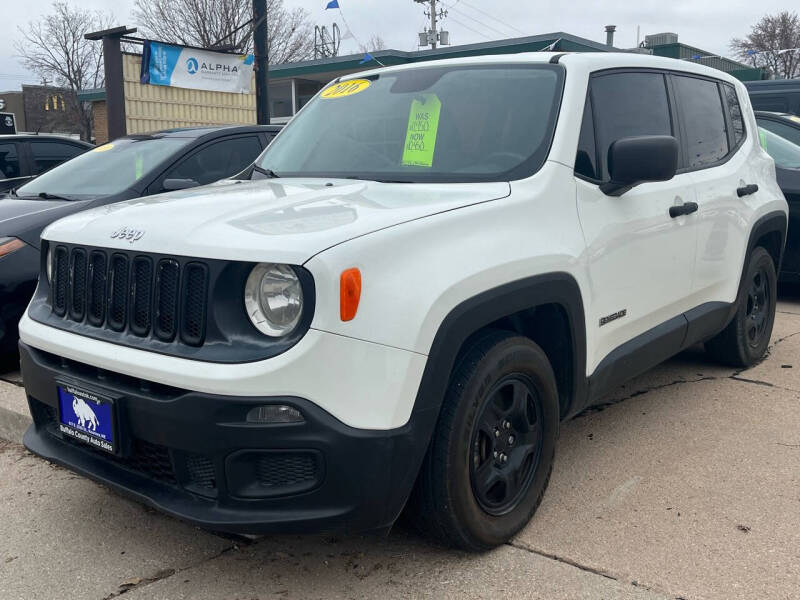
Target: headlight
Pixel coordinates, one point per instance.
(273, 298)
(9, 245)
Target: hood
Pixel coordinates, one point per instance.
(280, 220)
(25, 219)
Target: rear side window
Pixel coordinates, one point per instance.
(703, 118)
(218, 160)
(9, 161)
(735, 112)
(625, 105)
(47, 155)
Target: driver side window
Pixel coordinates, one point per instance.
(620, 105)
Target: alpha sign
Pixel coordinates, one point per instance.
(179, 66)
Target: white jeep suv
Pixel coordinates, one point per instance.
(427, 271)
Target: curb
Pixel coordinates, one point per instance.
(14, 415)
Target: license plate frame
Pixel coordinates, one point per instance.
(88, 416)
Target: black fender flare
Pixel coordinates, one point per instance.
(773, 222)
(491, 305)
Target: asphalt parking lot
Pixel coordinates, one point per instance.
(684, 484)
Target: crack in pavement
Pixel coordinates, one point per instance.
(593, 570)
(136, 583)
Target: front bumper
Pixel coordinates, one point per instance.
(193, 455)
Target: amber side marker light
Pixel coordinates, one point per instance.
(9, 245)
(349, 293)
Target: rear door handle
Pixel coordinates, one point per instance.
(746, 190)
(686, 208)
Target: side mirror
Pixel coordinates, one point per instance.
(635, 160)
(179, 184)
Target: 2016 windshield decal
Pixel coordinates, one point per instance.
(128, 233)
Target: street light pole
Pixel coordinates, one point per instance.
(261, 60)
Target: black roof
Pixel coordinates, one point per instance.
(773, 85)
(206, 130)
(43, 136)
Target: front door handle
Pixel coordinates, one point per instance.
(746, 190)
(686, 208)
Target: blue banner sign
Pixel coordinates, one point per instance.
(179, 66)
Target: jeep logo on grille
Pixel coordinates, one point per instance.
(128, 233)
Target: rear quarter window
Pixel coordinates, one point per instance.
(705, 133)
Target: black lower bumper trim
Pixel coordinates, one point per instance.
(194, 456)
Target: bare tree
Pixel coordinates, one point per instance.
(205, 22)
(773, 43)
(54, 48)
(375, 42)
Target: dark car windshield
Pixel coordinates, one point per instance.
(783, 152)
(104, 171)
(474, 123)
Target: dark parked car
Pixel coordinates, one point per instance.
(23, 157)
(778, 95)
(786, 155)
(128, 167)
(784, 124)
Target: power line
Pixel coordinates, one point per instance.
(470, 28)
(486, 25)
(491, 16)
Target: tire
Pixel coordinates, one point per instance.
(467, 496)
(745, 340)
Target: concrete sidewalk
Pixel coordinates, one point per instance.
(684, 483)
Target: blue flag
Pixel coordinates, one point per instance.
(332, 4)
(367, 57)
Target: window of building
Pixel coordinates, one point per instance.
(628, 104)
(280, 99)
(305, 91)
(703, 119)
(9, 161)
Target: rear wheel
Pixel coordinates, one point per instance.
(490, 459)
(746, 338)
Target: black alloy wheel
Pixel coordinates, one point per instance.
(506, 445)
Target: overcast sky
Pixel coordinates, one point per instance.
(708, 25)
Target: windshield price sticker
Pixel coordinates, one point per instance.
(103, 148)
(346, 88)
(423, 124)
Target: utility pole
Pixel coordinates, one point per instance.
(434, 36)
(261, 61)
(433, 24)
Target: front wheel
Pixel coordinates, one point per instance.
(490, 459)
(745, 340)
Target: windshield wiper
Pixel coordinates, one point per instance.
(46, 196)
(268, 172)
(376, 179)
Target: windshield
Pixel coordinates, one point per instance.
(783, 152)
(487, 123)
(105, 170)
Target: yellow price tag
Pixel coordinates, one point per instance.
(139, 166)
(103, 148)
(346, 88)
(423, 124)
